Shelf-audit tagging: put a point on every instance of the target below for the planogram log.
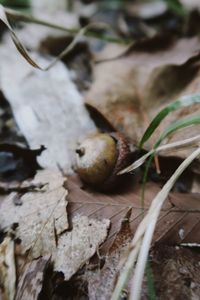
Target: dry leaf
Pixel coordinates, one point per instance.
(42, 225)
(7, 270)
(115, 207)
(75, 248)
(101, 282)
(184, 227)
(41, 216)
(176, 273)
(47, 107)
(132, 88)
(31, 282)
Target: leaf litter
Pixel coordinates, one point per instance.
(149, 72)
(44, 118)
(43, 213)
(153, 84)
(120, 207)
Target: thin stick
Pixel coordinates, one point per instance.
(156, 160)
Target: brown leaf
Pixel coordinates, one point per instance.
(175, 273)
(131, 89)
(115, 207)
(186, 224)
(99, 206)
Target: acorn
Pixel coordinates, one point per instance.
(100, 157)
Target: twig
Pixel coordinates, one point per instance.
(6, 188)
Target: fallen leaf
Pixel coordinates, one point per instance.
(31, 282)
(131, 89)
(175, 272)
(75, 248)
(47, 107)
(7, 269)
(101, 281)
(116, 206)
(41, 216)
(42, 226)
(186, 226)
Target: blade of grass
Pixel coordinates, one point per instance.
(176, 7)
(183, 102)
(172, 146)
(185, 122)
(24, 17)
(25, 53)
(150, 282)
(142, 239)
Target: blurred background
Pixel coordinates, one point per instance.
(129, 19)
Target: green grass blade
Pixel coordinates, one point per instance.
(176, 7)
(150, 282)
(185, 122)
(183, 102)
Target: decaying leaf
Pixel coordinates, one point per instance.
(175, 273)
(186, 227)
(41, 216)
(101, 282)
(42, 226)
(47, 107)
(7, 270)
(115, 207)
(31, 282)
(132, 88)
(75, 248)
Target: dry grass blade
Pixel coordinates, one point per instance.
(172, 146)
(20, 16)
(20, 47)
(142, 239)
(15, 39)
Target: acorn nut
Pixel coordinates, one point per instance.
(100, 157)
